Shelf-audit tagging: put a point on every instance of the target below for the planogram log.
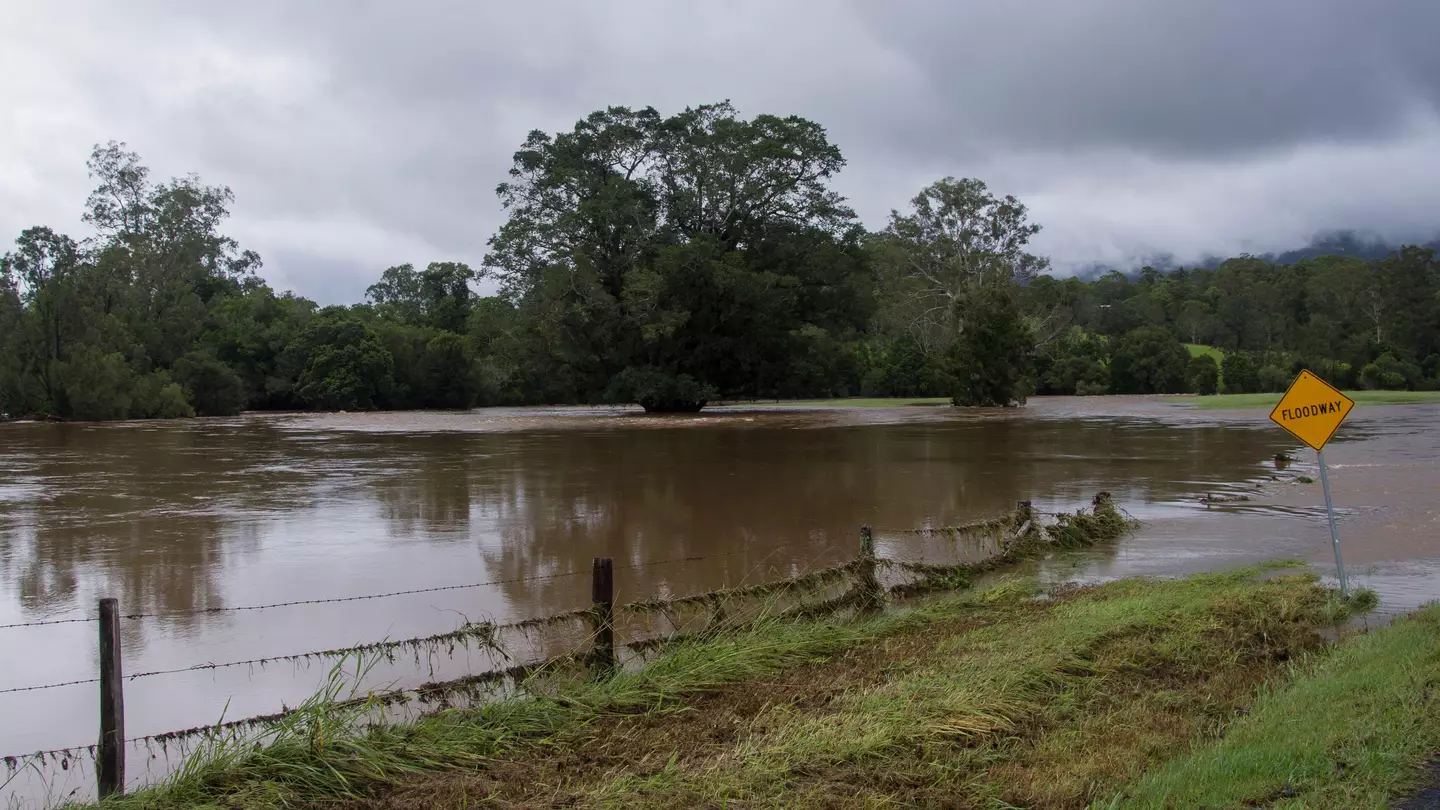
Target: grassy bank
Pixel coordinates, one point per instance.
(1213, 402)
(1267, 401)
(988, 699)
(1346, 731)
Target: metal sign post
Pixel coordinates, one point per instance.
(1312, 411)
(1334, 533)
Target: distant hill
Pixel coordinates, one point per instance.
(1343, 243)
(1333, 243)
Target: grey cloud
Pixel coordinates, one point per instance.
(1169, 78)
(325, 280)
(358, 135)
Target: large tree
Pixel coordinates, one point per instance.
(102, 322)
(950, 271)
(670, 260)
(43, 274)
(160, 250)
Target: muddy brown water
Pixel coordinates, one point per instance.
(177, 518)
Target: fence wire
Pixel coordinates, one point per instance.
(176, 614)
(474, 631)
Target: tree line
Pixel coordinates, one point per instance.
(672, 262)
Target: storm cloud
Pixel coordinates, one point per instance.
(357, 135)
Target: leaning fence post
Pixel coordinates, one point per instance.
(870, 595)
(110, 756)
(602, 594)
(1024, 516)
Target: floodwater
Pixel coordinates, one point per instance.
(187, 521)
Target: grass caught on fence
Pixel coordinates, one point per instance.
(717, 600)
(1082, 529)
(1020, 535)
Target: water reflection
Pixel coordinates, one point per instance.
(158, 514)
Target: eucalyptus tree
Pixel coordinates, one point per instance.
(668, 260)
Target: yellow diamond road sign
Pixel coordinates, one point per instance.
(1312, 410)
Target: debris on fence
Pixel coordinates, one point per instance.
(481, 635)
(1023, 537)
(813, 580)
(441, 693)
(1104, 521)
(974, 528)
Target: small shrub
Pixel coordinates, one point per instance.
(1388, 373)
(1274, 378)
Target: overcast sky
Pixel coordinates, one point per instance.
(357, 134)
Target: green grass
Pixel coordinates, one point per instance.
(1346, 733)
(1197, 349)
(1239, 401)
(987, 698)
(848, 402)
(1032, 708)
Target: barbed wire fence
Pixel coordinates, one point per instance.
(176, 614)
(1002, 541)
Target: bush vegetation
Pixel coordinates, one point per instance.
(673, 261)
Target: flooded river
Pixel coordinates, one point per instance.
(186, 521)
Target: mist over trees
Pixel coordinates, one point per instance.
(673, 262)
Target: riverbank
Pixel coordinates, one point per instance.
(1217, 687)
(842, 402)
(1242, 401)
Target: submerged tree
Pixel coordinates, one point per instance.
(992, 357)
(669, 260)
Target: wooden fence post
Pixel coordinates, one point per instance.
(602, 594)
(1024, 517)
(871, 598)
(110, 756)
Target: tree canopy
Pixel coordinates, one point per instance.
(672, 262)
(667, 261)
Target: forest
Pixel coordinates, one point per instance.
(673, 262)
